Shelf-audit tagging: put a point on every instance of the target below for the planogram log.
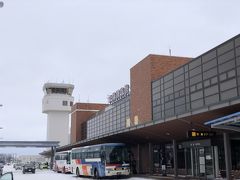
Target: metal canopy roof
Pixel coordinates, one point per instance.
(229, 122)
(37, 144)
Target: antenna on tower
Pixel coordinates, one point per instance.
(170, 52)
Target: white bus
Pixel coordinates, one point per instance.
(102, 160)
(62, 162)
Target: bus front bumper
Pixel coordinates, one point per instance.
(124, 172)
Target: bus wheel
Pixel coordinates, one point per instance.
(96, 175)
(77, 172)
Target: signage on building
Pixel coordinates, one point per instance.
(196, 143)
(201, 134)
(119, 94)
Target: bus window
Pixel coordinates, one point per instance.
(90, 155)
(96, 154)
(116, 155)
(84, 155)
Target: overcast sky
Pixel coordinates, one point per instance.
(93, 44)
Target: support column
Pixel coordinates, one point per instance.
(216, 161)
(175, 160)
(138, 158)
(53, 151)
(150, 158)
(227, 153)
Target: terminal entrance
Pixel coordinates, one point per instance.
(202, 161)
(199, 157)
(195, 158)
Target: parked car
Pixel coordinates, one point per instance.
(29, 167)
(18, 166)
(44, 165)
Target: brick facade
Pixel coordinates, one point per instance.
(81, 112)
(142, 74)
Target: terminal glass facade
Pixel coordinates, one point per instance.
(209, 79)
(113, 118)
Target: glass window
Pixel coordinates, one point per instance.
(210, 73)
(212, 99)
(231, 73)
(223, 77)
(179, 79)
(169, 104)
(193, 88)
(156, 90)
(156, 83)
(199, 86)
(195, 71)
(186, 83)
(169, 113)
(168, 77)
(229, 94)
(179, 86)
(178, 72)
(226, 66)
(180, 109)
(157, 116)
(168, 84)
(196, 79)
(64, 103)
(168, 91)
(238, 51)
(182, 93)
(226, 57)
(238, 61)
(176, 94)
(210, 64)
(211, 90)
(196, 95)
(225, 47)
(156, 96)
(197, 104)
(210, 55)
(179, 101)
(237, 41)
(214, 80)
(228, 84)
(194, 63)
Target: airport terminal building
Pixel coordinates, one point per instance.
(179, 115)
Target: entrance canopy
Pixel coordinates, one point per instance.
(37, 144)
(229, 122)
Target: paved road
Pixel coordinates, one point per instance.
(49, 175)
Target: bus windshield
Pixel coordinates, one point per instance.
(116, 155)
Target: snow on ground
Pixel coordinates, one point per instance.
(47, 175)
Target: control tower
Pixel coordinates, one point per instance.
(56, 103)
